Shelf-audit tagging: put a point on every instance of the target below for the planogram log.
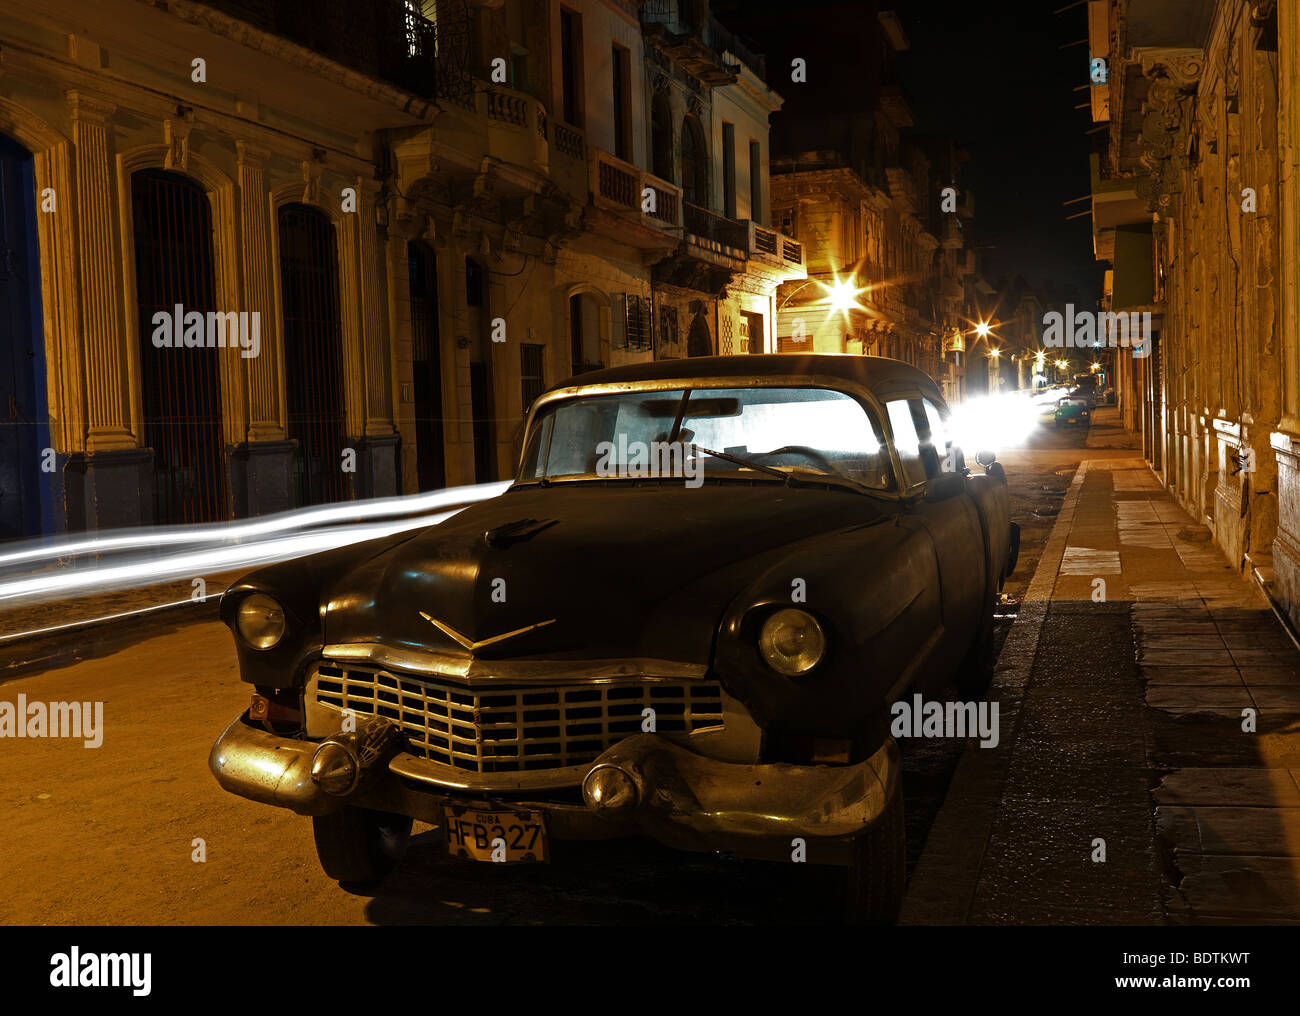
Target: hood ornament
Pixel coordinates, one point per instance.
(516, 532)
(470, 644)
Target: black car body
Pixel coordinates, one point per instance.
(596, 655)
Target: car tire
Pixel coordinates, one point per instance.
(876, 875)
(360, 846)
(976, 669)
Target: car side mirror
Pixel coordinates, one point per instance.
(944, 486)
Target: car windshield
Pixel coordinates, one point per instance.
(748, 433)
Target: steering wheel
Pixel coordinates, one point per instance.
(812, 454)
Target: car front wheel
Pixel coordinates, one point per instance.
(877, 873)
(358, 845)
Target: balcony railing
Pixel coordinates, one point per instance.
(718, 229)
(624, 188)
(384, 39)
(517, 123)
(570, 142)
(775, 249)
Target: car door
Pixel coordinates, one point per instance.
(927, 449)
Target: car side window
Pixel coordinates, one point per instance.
(907, 441)
(948, 455)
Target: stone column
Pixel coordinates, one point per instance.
(266, 408)
(108, 391)
(111, 483)
(263, 461)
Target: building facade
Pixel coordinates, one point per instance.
(1196, 207)
(263, 255)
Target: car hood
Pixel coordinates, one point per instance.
(583, 571)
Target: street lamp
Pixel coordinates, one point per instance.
(843, 296)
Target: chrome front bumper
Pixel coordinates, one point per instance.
(683, 800)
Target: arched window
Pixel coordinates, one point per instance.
(661, 137)
(695, 163)
(172, 230)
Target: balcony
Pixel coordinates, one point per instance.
(715, 232)
(711, 254)
(775, 250)
(383, 39)
(630, 205)
(688, 33)
(517, 127)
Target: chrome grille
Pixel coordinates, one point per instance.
(516, 728)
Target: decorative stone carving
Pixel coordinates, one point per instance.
(310, 182)
(176, 136)
(1166, 116)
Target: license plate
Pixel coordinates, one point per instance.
(504, 837)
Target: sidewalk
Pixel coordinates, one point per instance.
(1138, 657)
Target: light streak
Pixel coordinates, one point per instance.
(302, 518)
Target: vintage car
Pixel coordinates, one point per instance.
(687, 618)
(1072, 409)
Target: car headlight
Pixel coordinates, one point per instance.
(260, 621)
(792, 642)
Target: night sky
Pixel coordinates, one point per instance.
(992, 75)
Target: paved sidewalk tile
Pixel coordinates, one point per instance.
(1155, 725)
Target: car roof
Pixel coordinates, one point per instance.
(881, 375)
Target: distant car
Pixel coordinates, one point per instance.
(603, 651)
(1072, 409)
(1086, 392)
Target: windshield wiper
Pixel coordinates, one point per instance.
(783, 476)
(839, 479)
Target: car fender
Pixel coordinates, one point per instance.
(990, 495)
